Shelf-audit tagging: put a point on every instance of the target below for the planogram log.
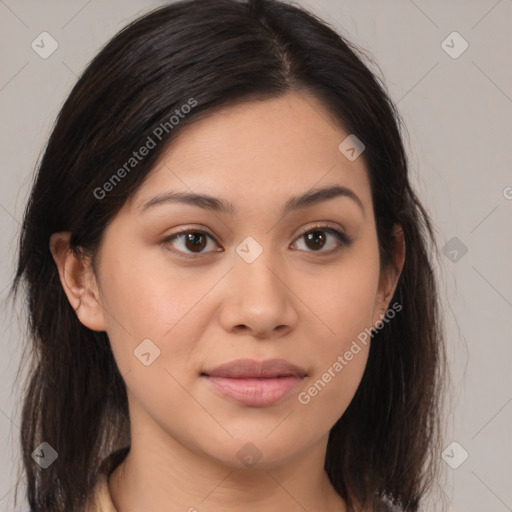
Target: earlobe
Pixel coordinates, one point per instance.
(78, 281)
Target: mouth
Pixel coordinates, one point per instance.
(253, 383)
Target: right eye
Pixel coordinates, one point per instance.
(191, 241)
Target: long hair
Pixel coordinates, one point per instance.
(209, 55)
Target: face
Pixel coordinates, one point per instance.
(256, 274)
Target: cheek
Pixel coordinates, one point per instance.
(344, 303)
(146, 299)
(339, 366)
(343, 299)
(329, 393)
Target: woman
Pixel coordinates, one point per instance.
(231, 297)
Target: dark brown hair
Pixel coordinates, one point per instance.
(219, 53)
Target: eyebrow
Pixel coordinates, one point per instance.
(215, 204)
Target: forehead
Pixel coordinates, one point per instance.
(258, 152)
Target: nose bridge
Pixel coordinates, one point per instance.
(259, 299)
(257, 266)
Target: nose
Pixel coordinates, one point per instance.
(258, 300)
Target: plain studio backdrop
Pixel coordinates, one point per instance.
(447, 66)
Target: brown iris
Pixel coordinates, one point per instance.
(316, 238)
(195, 242)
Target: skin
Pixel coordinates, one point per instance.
(295, 301)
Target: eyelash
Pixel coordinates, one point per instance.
(343, 240)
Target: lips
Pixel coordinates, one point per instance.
(251, 369)
(255, 383)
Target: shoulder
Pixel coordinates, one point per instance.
(99, 499)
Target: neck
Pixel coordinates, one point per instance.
(160, 474)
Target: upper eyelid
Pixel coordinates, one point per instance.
(325, 225)
(317, 225)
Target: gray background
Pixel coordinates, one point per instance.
(458, 116)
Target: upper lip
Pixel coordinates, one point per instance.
(250, 368)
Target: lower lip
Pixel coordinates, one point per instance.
(256, 392)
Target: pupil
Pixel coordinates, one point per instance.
(315, 236)
(192, 237)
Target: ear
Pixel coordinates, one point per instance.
(390, 275)
(78, 281)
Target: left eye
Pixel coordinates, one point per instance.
(316, 239)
